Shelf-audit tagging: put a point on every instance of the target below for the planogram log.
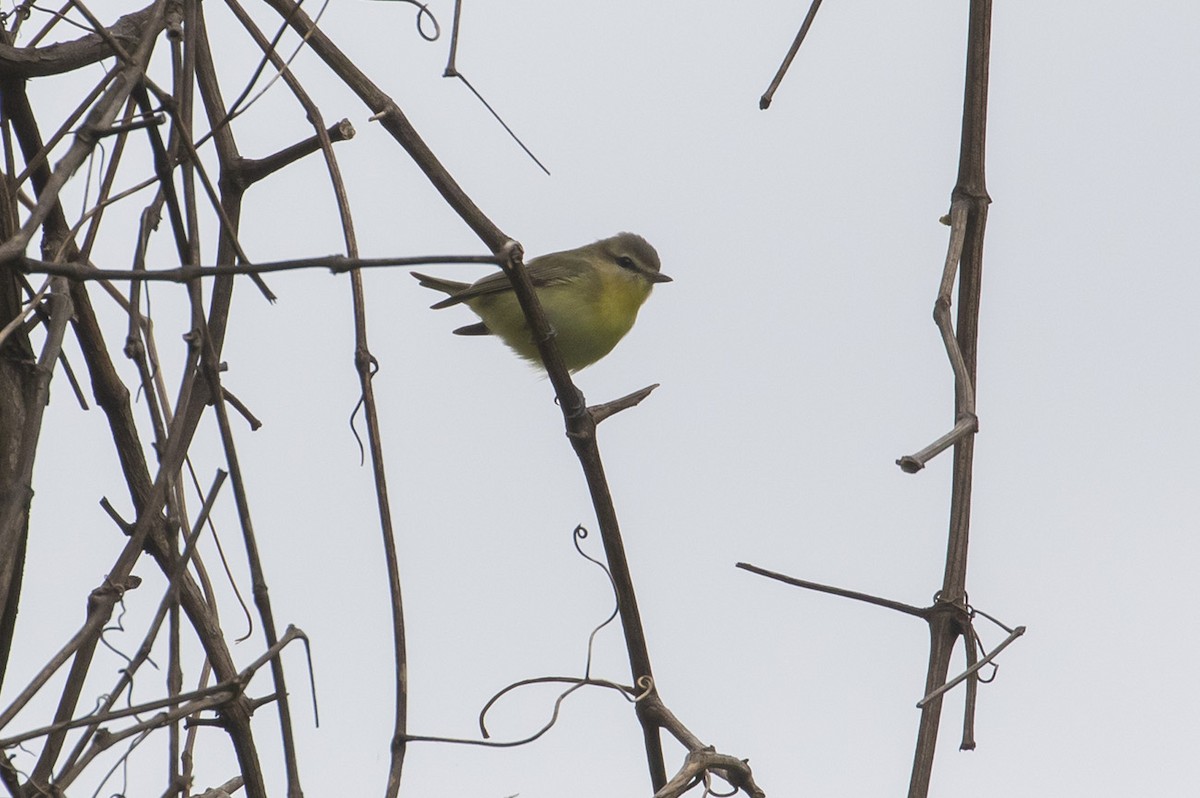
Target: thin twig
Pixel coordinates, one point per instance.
(1020, 630)
(143, 652)
(29, 309)
(764, 102)
(252, 170)
(254, 560)
(451, 71)
(223, 694)
(336, 264)
(512, 134)
(102, 114)
(603, 411)
(912, 463)
(95, 215)
(39, 160)
(62, 57)
(907, 609)
(239, 406)
(97, 718)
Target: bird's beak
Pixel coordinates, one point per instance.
(658, 277)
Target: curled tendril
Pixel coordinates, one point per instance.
(979, 642)
(983, 650)
(87, 183)
(119, 626)
(708, 787)
(631, 694)
(577, 537)
(123, 765)
(995, 670)
(12, 760)
(626, 692)
(423, 13)
(966, 599)
(975, 612)
(372, 370)
(21, 11)
(244, 100)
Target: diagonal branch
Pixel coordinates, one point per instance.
(907, 609)
(973, 669)
(56, 59)
(764, 102)
(101, 116)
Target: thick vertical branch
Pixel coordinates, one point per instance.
(29, 397)
(950, 619)
(17, 385)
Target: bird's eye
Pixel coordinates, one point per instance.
(626, 262)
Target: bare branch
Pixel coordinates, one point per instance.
(912, 463)
(249, 171)
(55, 59)
(101, 116)
(907, 609)
(603, 411)
(765, 101)
(964, 387)
(226, 790)
(336, 264)
(1020, 630)
(698, 764)
(969, 201)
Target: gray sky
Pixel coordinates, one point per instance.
(797, 360)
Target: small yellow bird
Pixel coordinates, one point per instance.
(591, 296)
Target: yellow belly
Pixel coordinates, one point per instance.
(588, 320)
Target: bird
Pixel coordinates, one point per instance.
(591, 297)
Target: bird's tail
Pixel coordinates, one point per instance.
(450, 287)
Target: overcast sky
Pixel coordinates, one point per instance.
(797, 358)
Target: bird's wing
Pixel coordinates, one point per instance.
(559, 269)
